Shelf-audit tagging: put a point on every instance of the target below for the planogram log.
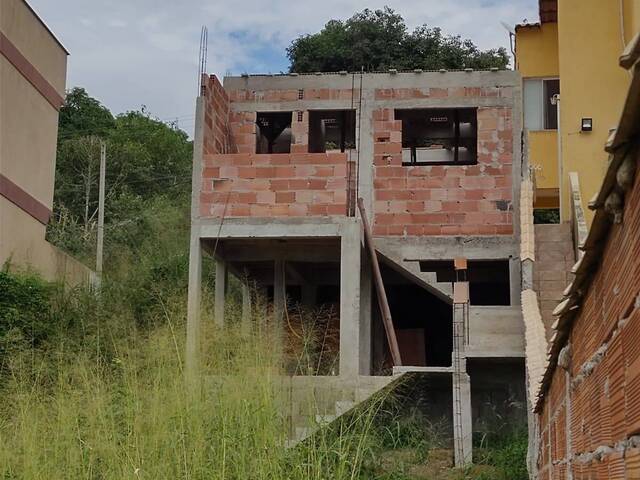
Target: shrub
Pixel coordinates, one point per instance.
(24, 310)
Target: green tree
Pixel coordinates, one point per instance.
(83, 115)
(379, 40)
(146, 160)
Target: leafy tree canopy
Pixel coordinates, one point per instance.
(82, 114)
(146, 160)
(379, 40)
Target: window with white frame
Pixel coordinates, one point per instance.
(539, 112)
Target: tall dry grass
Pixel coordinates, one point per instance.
(114, 404)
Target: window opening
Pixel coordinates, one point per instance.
(439, 136)
(331, 130)
(274, 132)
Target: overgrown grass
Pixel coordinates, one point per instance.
(114, 403)
(93, 387)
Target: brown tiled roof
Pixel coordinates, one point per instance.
(548, 10)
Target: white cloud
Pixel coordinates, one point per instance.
(147, 53)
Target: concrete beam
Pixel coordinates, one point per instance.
(350, 255)
(264, 228)
(370, 81)
(293, 253)
(471, 248)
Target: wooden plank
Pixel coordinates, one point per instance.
(383, 304)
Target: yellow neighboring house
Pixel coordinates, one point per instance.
(573, 53)
(33, 68)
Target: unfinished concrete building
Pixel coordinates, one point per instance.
(280, 162)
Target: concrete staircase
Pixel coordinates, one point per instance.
(318, 401)
(394, 259)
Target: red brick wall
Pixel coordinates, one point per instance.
(293, 95)
(272, 185)
(216, 136)
(444, 199)
(605, 403)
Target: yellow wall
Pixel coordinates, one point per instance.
(537, 50)
(631, 19)
(591, 85)
(537, 57)
(543, 155)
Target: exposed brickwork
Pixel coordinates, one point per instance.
(444, 199)
(605, 402)
(274, 185)
(412, 93)
(412, 201)
(300, 133)
(242, 128)
(292, 95)
(552, 268)
(216, 117)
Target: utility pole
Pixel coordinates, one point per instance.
(103, 167)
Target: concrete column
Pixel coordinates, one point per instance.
(246, 305)
(350, 300)
(220, 291)
(365, 317)
(515, 280)
(193, 303)
(462, 424)
(279, 292)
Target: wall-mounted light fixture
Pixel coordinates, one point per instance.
(586, 125)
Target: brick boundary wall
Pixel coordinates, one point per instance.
(592, 407)
(444, 199)
(273, 185)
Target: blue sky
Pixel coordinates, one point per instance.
(129, 53)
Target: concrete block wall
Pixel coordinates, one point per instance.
(594, 405)
(552, 268)
(274, 185)
(444, 199)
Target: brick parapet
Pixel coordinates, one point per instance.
(273, 185)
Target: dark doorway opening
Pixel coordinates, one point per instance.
(423, 323)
